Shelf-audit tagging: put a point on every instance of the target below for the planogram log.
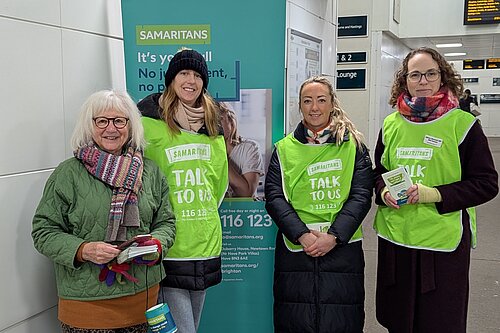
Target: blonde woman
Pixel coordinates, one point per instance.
(184, 138)
(318, 191)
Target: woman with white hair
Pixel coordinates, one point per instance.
(106, 194)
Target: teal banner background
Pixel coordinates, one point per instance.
(243, 302)
(244, 46)
(246, 50)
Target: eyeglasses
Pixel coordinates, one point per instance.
(431, 76)
(103, 122)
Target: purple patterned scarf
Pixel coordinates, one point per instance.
(124, 174)
(423, 109)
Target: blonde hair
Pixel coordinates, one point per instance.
(340, 122)
(169, 102)
(99, 102)
(234, 137)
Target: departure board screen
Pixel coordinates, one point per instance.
(493, 63)
(473, 64)
(481, 12)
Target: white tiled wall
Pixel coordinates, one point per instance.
(98, 16)
(41, 11)
(31, 96)
(101, 67)
(392, 55)
(27, 277)
(54, 54)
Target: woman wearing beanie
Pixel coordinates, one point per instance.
(184, 138)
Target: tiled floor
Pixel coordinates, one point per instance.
(484, 304)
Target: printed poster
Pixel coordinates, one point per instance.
(244, 46)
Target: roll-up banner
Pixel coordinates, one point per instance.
(244, 46)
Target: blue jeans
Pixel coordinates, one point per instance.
(185, 307)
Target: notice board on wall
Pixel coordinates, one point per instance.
(303, 62)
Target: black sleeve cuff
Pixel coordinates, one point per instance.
(337, 239)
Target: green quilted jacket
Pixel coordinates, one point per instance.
(74, 208)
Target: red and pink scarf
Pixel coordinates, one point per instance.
(423, 109)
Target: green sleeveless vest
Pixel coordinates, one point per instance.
(197, 173)
(316, 181)
(429, 153)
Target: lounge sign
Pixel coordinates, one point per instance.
(351, 79)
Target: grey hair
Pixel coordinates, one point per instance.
(99, 102)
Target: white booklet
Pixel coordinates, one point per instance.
(135, 251)
(397, 182)
(131, 249)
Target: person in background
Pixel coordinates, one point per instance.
(105, 194)
(424, 245)
(466, 100)
(185, 139)
(318, 190)
(245, 161)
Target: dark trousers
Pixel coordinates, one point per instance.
(420, 291)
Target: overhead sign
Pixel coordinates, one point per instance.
(481, 12)
(351, 79)
(351, 58)
(353, 26)
(489, 98)
(470, 79)
(473, 64)
(492, 63)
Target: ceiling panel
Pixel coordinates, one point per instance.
(476, 46)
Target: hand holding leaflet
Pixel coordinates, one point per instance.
(398, 182)
(139, 246)
(140, 250)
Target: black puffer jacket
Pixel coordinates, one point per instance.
(184, 274)
(324, 294)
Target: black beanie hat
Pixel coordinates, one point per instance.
(187, 59)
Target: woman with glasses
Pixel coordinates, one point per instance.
(424, 244)
(186, 140)
(104, 195)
